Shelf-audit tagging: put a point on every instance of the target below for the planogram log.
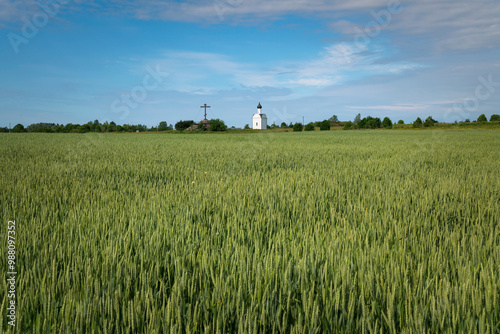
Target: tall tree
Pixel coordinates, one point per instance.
(162, 126)
(429, 121)
(334, 119)
(387, 123)
(417, 123)
(357, 119)
(18, 128)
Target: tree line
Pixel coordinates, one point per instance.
(366, 123)
(219, 125)
(94, 126)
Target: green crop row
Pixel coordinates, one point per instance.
(354, 232)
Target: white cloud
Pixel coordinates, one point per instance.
(207, 73)
(13, 11)
(444, 24)
(396, 107)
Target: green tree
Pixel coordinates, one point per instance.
(309, 127)
(369, 123)
(357, 119)
(111, 127)
(84, 128)
(290, 125)
(401, 122)
(495, 118)
(18, 128)
(417, 123)
(334, 119)
(41, 127)
(162, 126)
(348, 125)
(70, 127)
(217, 125)
(482, 118)
(325, 125)
(246, 127)
(298, 127)
(429, 121)
(373, 123)
(283, 125)
(183, 125)
(387, 123)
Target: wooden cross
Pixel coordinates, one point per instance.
(205, 106)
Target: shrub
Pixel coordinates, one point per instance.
(309, 127)
(217, 125)
(325, 125)
(298, 127)
(401, 122)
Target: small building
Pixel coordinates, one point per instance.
(259, 120)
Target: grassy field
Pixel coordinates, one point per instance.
(340, 231)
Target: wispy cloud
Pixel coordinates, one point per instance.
(396, 107)
(447, 24)
(451, 24)
(206, 73)
(13, 11)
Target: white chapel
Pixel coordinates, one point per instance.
(259, 120)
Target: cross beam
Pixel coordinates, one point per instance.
(205, 106)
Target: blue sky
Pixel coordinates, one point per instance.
(148, 61)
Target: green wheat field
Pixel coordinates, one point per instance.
(335, 231)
